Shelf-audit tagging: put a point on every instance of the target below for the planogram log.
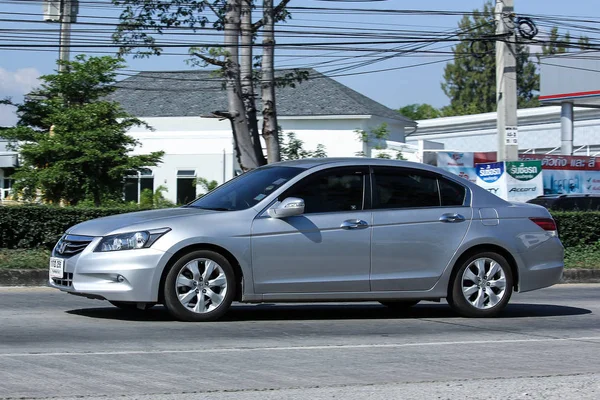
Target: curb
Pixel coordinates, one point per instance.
(39, 277)
(23, 277)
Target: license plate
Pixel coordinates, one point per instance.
(57, 267)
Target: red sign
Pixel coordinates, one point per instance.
(577, 163)
(549, 161)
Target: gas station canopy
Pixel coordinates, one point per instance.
(571, 77)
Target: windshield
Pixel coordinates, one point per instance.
(246, 190)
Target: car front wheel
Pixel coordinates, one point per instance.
(200, 286)
(482, 286)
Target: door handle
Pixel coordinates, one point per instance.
(452, 217)
(354, 224)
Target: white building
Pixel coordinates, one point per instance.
(8, 162)
(539, 131)
(319, 110)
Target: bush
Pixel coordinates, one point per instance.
(35, 226)
(577, 228)
(29, 227)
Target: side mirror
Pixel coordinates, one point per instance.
(287, 208)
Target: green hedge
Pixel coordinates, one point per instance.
(577, 228)
(28, 227)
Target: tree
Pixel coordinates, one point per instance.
(205, 184)
(72, 140)
(470, 81)
(555, 44)
(142, 20)
(420, 111)
(293, 148)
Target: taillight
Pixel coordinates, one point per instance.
(546, 224)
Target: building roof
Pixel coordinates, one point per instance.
(198, 92)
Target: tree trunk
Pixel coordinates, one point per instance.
(269, 111)
(247, 80)
(247, 156)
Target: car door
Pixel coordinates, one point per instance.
(326, 249)
(419, 221)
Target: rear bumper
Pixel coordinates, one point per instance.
(542, 266)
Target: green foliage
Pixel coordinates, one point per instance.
(583, 256)
(293, 148)
(72, 141)
(41, 226)
(555, 44)
(377, 135)
(577, 228)
(205, 184)
(156, 199)
(470, 82)
(420, 111)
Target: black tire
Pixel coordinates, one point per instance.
(400, 305)
(458, 301)
(181, 312)
(130, 306)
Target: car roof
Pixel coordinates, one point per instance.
(315, 162)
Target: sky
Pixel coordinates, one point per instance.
(394, 82)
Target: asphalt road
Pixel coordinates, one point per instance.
(545, 345)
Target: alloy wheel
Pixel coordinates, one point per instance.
(484, 283)
(201, 285)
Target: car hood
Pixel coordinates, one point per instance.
(141, 220)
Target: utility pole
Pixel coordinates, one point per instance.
(506, 82)
(65, 12)
(65, 33)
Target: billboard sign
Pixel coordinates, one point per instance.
(492, 177)
(524, 180)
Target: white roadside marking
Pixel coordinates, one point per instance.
(299, 348)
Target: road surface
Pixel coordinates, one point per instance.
(545, 345)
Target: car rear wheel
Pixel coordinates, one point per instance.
(200, 286)
(481, 286)
(400, 305)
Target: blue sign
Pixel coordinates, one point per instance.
(490, 172)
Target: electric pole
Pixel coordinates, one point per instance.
(65, 12)
(506, 82)
(64, 42)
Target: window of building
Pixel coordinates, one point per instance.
(136, 182)
(186, 189)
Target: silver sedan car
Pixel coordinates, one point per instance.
(354, 229)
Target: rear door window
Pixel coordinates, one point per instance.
(451, 193)
(404, 188)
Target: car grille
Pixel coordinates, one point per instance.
(67, 280)
(69, 245)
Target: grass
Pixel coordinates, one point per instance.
(587, 257)
(575, 257)
(24, 258)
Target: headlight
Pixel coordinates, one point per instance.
(130, 241)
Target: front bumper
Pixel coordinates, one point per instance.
(129, 275)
